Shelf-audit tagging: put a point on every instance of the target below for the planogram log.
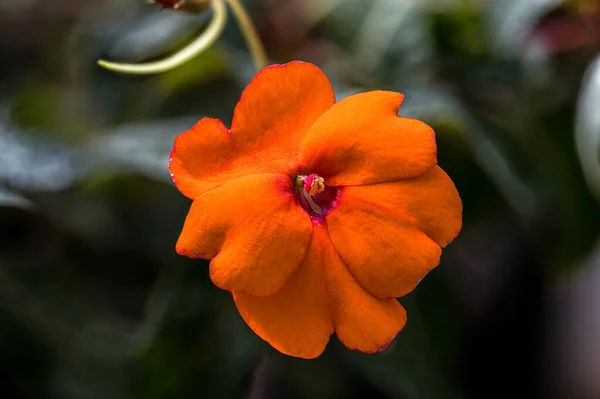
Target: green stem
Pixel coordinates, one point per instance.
(255, 46)
(203, 42)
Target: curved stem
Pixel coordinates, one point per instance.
(257, 50)
(204, 41)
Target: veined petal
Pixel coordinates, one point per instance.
(297, 319)
(362, 322)
(269, 123)
(390, 235)
(362, 140)
(429, 202)
(320, 297)
(253, 230)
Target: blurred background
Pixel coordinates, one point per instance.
(94, 301)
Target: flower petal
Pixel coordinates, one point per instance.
(269, 123)
(193, 154)
(362, 322)
(361, 140)
(296, 320)
(253, 230)
(322, 295)
(389, 235)
(280, 104)
(429, 202)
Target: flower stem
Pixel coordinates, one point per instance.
(203, 42)
(255, 46)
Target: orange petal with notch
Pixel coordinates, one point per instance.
(253, 230)
(269, 123)
(362, 140)
(296, 320)
(362, 322)
(390, 235)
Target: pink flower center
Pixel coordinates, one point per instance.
(314, 184)
(314, 196)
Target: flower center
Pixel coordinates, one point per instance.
(312, 194)
(313, 184)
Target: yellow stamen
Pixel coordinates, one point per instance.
(317, 186)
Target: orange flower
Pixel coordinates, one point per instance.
(316, 214)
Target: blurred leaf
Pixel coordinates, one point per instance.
(588, 127)
(389, 40)
(392, 26)
(33, 163)
(156, 34)
(157, 305)
(35, 315)
(209, 65)
(13, 199)
(437, 106)
(138, 148)
(207, 351)
(510, 21)
(434, 104)
(314, 11)
(409, 367)
(35, 106)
